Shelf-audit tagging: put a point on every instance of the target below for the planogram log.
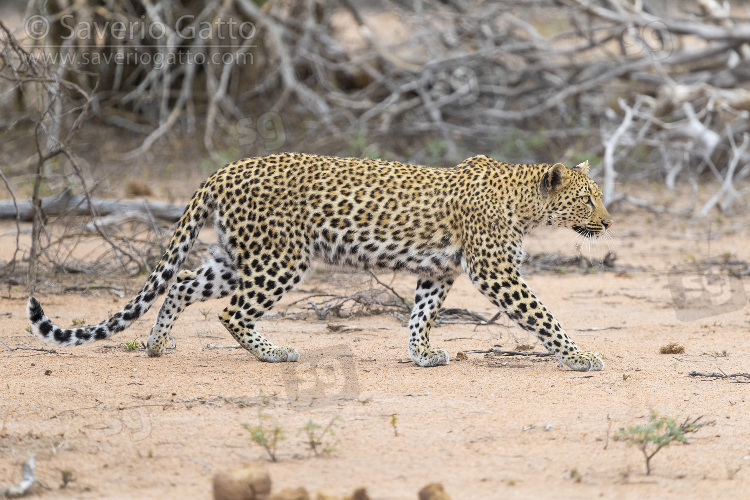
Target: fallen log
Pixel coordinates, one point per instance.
(66, 203)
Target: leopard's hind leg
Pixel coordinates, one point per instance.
(261, 283)
(216, 278)
(428, 298)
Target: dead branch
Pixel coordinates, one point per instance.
(555, 262)
(390, 289)
(36, 349)
(609, 150)
(276, 33)
(499, 352)
(68, 204)
(599, 328)
(727, 194)
(363, 302)
(624, 13)
(737, 377)
(218, 346)
(11, 265)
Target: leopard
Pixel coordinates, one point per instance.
(274, 214)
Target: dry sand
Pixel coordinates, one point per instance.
(128, 426)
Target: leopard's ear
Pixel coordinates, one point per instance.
(553, 178)
(557, 174)
(583, 167)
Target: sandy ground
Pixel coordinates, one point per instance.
(122, 425)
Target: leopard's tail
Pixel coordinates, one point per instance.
(190, 224)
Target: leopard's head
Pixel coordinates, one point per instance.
(571, 199)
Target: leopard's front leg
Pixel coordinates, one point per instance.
(503, 285)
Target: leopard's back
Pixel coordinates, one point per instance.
(358, 212)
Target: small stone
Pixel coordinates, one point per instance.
(291, 494)
(359, 494)
(246, 483)
(137, 189)
(672, 348)
(433, 491)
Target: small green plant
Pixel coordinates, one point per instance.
(219, 159)
(78, 321)
(132, 346)
(518, 146)
(315, 435)
(435, 150)
(658, 433)
(575, 476)
(394, 421)
(67, 477)
(268, 438)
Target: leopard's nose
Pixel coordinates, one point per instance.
(607, 224)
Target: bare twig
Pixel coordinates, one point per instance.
(22, 348)
(390, 289)
(727, 194)
(737, 377)
(609, 149)
(500, 352)
(12, 264)
(218, 346)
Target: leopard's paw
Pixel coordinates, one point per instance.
(430, 357)
(155, 345)
(584, 361)
(279, 355)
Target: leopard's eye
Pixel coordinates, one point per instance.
(587, 199)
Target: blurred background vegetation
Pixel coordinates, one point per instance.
(102, 100)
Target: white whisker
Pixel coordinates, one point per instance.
(612, 237)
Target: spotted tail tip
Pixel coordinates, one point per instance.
(36, 317)
(43, 328)
(34, 311)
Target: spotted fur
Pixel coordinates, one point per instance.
(274, 214)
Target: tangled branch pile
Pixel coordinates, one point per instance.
(57, 107)
(647, 89)
(643, 90)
